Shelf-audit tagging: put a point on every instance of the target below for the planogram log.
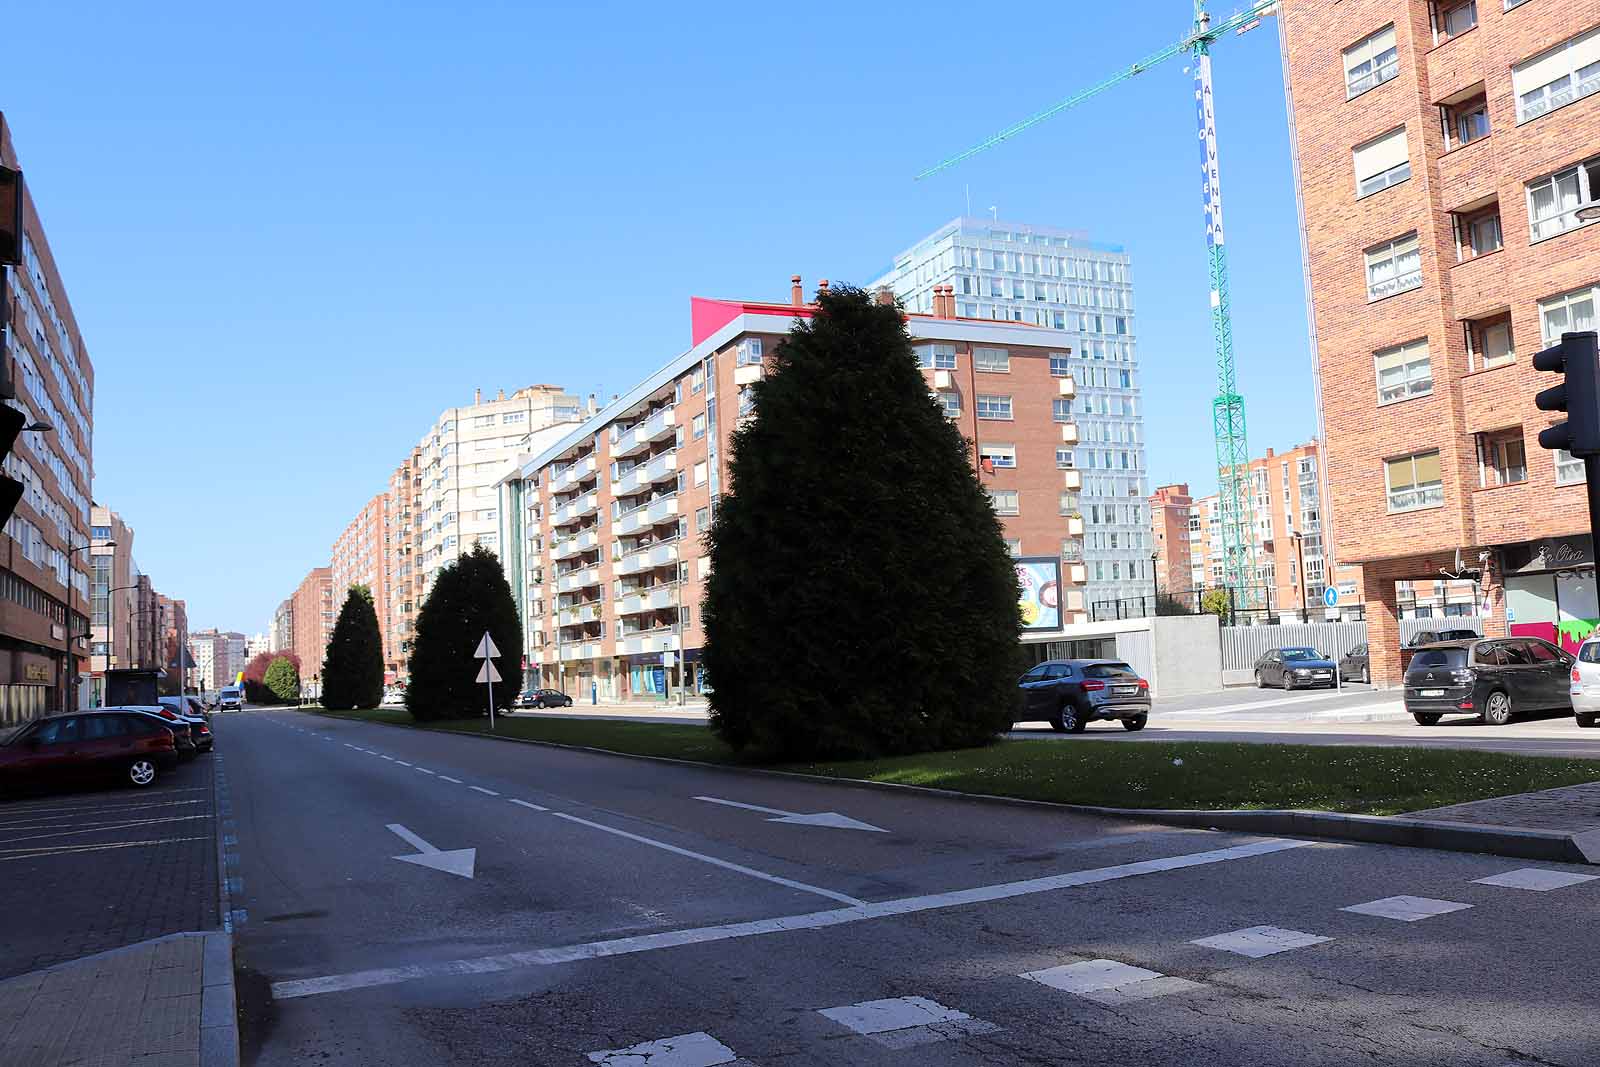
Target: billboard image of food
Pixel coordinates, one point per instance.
(1039, 578)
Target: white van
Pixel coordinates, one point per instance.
(230, 698)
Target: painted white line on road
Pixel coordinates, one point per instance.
(119, 811)
(389, 758)
(424, 770)
(1262, 705)
(1536, 879)
(456, 861)
(1258, 941)
(896, 1013)
(703, 858)
(625, 946)
(104, 828)
(402, 763)
(698, 1049)
(45, 851)
(481, 789)
(821, 818)
(525, 804)
(1406, 909)
(447, 778)
(1110, 982)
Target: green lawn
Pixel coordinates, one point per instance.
(1379, 781)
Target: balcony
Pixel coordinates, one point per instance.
(646, 559)
(748, 375)
(583, 650)
(1072, 479)
(576, 473)
(568, 547)
(648, 641)
(1074, 525)
(582, 613)
(640, 436)
(658, 469)
(941, 379)
(1068, 387)
(1077, 573)
(656, 599)
(1072, 600)
(1069, 433)
(575, 580)
(649, 515)
(586, 504)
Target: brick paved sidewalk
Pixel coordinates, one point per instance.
(1572, 808)
(162, 1003)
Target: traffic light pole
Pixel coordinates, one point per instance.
(1591, 470)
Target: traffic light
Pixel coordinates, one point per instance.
(10, 215)
(1577, 357)
(11, 423)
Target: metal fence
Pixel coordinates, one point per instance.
(1243, 645)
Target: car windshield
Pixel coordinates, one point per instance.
(1110, 670)
(1440, 657)
(1302, 654)
(9, 734)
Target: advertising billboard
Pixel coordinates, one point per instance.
(1040, 580)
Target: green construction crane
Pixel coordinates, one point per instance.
(1227, 410)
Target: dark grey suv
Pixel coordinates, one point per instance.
(1069, 693)
(1490, 679)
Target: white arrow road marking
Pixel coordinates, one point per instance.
(821, 818)
(457, 861)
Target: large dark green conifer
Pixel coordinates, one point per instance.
(468, 597)
(861, 600)
(352, 668)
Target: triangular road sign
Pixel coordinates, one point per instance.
(486, 649)
(487, 672)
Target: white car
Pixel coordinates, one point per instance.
(1586, 683)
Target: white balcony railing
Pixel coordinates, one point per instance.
(1069, 433)
(643, 434)
(583, 650)
(568, 547)
(664, 596)
(748, 374)
(576, 580)
(658, 469)
(1068, 387)
(639, 644)
(574, 474)
(646, 559)
(583, 613)
(586, 504)
(648, 515)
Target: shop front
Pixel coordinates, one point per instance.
(31, 684)
(1550, 590)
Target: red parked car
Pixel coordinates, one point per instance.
(85, 746)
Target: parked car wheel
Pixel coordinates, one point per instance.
(1136, 723)
(1261, 683)
(141, 773)
(1287, 683)
(1426, 718)
(1068, 721)
(1497, 709)
(1588, 720)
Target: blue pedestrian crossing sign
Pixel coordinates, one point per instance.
(1330, 597)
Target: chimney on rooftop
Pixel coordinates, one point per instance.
(593, 404)
(822, 287)
(477, 396)
(501, 395)
(797, 295)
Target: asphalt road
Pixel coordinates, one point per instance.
(616, 915)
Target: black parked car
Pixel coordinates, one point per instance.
(1433, 637)
(1068, 693)
(1353, 665)
(1291, 667)
(543, 698)
(1490, 679)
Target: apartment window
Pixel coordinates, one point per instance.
(1393, 267)
(512, 417)
(1381, 162)
(1004, 501)
(699, 474)
(1068, 503)
(702, 520)
(1061, 409)
(1453, 17)
(1568, 313)
(1569, 468)
(936, 357)
(483, 420)
(1502, 458)
(1570, 71)
(998, 455)
(951, 403)
(697, 380)
(1370, 62)
(699, 426)
(1464, 120)
(1414, 482)
(991, 406)
(1553, 201)
(992, 360)
(1064, 458)
(749, 352)
(1477, 232)
(1058, 365)
(1014, 545)
(1489, 343)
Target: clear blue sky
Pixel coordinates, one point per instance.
(293, 234)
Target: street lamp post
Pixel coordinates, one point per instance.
(1155, 585)
(1300, 554)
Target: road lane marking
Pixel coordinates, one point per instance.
(402, 763)
(107, 828)
(905, 1022)
(45, 851)
(547, 957)
(481, 789)
(821, 818)
(1109, 981)
(525, 804)
(703, 858)
(424, 770)
(1535, 879)
(1259, 941)
(457, 861)
(447, 778)
(698, 1049)
(1406, 909)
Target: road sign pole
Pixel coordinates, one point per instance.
(491, 701)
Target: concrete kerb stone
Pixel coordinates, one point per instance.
(219, 1011)
(1551, 846)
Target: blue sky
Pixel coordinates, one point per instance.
(293, 234)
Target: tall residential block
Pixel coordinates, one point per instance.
(1082, 291)
(44, 580)
(359, 558)
(1444, 153)
(1170, 507)
(311, 617)
(112, 599)
(604, 529)
(399, 563)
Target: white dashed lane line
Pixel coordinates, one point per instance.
(481, 789)
(1406, 909)
(1535, 879)
(1110, 982)
(525, 804)
(447, 778)
(1258, 941)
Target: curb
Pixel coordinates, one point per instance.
(219, 1009)
(1554, 846)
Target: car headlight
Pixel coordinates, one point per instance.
(1302, 670)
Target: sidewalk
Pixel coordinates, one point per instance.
(1573, 809)
(168, 1002)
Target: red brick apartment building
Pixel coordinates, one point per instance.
(360, 557)
(44, 564)
(604, 529)
(1443, 149)
(1170, 508)
(311, 614)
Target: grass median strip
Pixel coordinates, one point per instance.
(1179, 774)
